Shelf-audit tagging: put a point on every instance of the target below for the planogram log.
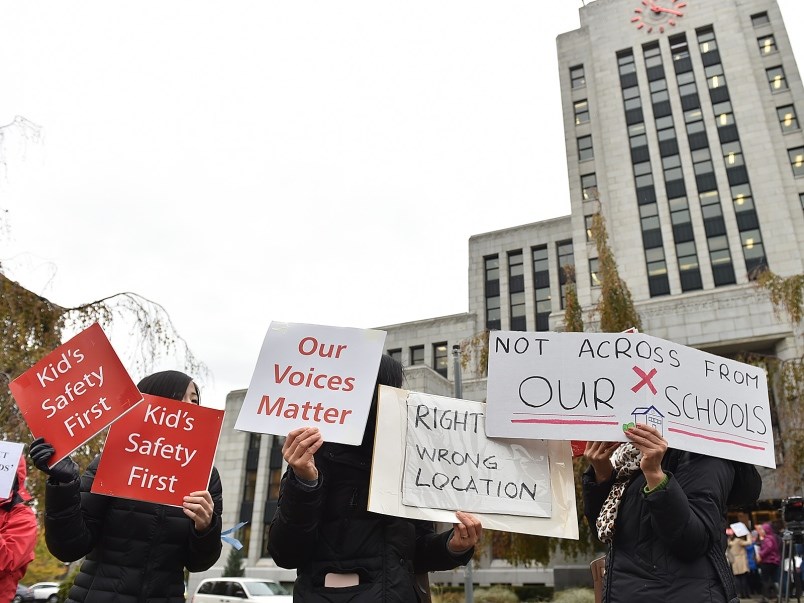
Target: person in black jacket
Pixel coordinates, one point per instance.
(662, 513)
(341, 551)
(135, 551)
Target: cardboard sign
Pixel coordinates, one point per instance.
(10, 457)
(450, 464)
(392, 467)
(591, 386)
(75, 392)
(313, 375)
(159, 452)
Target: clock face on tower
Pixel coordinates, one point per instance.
(657, 16)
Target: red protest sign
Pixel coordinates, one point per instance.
(74, 392)
(159, 452)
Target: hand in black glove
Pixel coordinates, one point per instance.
(64, 471)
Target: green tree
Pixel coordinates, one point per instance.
(45, 567)
(234, 563)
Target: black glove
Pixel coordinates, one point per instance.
(64, 471)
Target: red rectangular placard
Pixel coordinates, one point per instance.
(160, 451)
(74, 392)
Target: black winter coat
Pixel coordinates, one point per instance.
(328, 529)
(661, 540)
(135, 551)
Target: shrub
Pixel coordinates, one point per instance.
(575, 595)
(495, 594)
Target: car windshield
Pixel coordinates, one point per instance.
(257, 589)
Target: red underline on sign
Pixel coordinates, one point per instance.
(714, 439)
(563, 414)
(564, 421)
(720, 431)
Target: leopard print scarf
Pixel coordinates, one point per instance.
(626, 462)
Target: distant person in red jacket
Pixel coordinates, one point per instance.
(17, 535)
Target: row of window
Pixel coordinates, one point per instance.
(416, 357)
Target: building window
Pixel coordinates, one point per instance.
(631, 98)
(588, 221)
(589, 187)
(577, 78)
(760, 19)
(706, 41)
(733, 154)
(714, 76)
(723, 114)
(686, 83)
(625, 63)
(652, 54)
(797, 160)
(753, 251)
(493, 312)
(742, 197)
(440, 358)
(672, 168)
(658, 91)
(787, 118)
(416, 355)
(492, 269)
(581, 112)
(492, 287)
(541, 285)
(396, 354)
(516, 289)
(665, 129)
(776, 79)
(642, 174)
(678, 48)
(515, 268)
(767, 44)
(636, 135)
(702, 162)
(585, 148)
(566, 259)
(594, 272)
(518, 318)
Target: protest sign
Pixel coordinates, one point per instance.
(590, 386)
(432, 458)
(74, 392)
(159, 452)
(313, 375)
(10, 457)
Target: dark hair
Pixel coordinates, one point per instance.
(166, 384)
(392, 374)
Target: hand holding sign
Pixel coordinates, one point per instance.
(198, 507)
(64, 472)
(465, 534)
(652, 445)
(599, 456)
(298, 450)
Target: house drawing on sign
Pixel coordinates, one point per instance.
(649, 415)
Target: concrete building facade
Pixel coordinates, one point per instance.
(682, 123)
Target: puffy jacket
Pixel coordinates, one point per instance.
(327, 529)
(17, 535)
(769, 546)
(661, 541)
(135, 551)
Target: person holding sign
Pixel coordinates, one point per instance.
(17, 534)
(343, 552)
(135, 550)
(662, 513)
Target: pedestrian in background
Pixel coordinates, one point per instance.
(17, 534)
(739, 563)
(769, 560)
(135, 550)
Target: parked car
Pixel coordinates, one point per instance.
(220, 590)
(24, 595)
(45, 591)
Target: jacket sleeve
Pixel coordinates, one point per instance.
(690, 511)
(74, 516)
(204, 548)
(293, 532)
(432, 553)
(594, 495)
(17, 538)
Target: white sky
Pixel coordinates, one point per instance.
(298, 161)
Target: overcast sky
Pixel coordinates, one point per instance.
(317, 162)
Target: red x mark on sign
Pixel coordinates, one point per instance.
(646, 380)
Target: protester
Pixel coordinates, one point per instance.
(17, 534)
(739, 562)
(753, 566)
(662, 513)
(769, 561)
(135, 551)
(341, 551)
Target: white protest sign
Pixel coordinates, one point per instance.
(588, 386)
(394, 471)
(10, 455)
(313, 375)
(450, 464)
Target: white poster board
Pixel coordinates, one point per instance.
(10, 455)
(316, 376)
(392, 469)
(588, 386)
